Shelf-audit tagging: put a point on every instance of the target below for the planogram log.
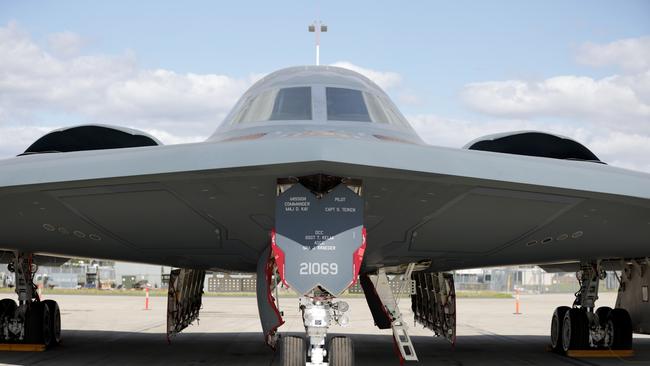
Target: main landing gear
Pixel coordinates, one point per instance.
(31, 320)
(582, 327)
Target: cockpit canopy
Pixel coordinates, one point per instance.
(316, 98)
(295, 104)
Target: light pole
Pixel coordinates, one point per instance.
(317, 27)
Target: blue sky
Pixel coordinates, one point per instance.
(446, 64)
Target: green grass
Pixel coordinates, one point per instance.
(483, 295)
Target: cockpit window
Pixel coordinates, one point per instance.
(292, 104)
(277, 104)
(346, 105)
(355, 105)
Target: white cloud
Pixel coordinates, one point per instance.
(385, 79)
(65, 43)
(631, 54)
(441, 131)
(170, 139)
(626, 150)
(620, 102)
(169, 98)
(14, 140)
(37, 86)
(409, 98)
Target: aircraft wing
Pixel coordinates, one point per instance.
(211, 205)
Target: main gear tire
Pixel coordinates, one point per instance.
(38, 324)
(55, 321)
(619, 330)
(556, 328)
(575, 330)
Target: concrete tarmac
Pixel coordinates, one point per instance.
(115, 330)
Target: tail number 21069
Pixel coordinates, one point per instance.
(315, 268)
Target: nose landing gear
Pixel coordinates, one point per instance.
(318, 313)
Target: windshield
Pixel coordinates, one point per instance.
(346, 105)
(277, 104)
(355, 105)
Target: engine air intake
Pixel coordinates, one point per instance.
(89, 137)
(534, 144)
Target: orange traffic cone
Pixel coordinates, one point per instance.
(146, 299)
(517, 302)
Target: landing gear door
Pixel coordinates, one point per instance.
(319, 240)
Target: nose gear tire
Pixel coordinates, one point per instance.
(341, 351)
(292, 351)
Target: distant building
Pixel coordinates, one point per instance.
(152, 274)
(504, 279)
(530, 279)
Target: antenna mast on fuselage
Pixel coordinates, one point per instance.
(317, 27)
